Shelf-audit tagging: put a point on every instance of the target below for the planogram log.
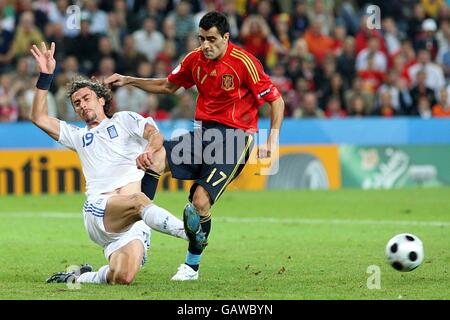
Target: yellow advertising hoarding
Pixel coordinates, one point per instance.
(40, 171)
(59, 171)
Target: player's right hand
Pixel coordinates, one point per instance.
(144, 161)
(116, 79)
(45, 57)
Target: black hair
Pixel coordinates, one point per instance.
(215, 19)
(100, 89)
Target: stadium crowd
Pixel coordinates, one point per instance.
(329, 58)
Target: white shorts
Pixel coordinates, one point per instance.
(94, 210)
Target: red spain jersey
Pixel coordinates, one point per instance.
(230, 89)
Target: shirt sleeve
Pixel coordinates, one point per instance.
(68, 135)
(259, 82)
(134, 123)
(182, 74)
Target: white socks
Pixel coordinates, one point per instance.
(161, 220)
(94, 277)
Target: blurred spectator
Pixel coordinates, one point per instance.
(400, 67)
(309, 108)
(184, 20)
(423, 108)
(65, 109)
(83, 46)
(346, 61)
(426, 40)
(293, 97)
(105, 50)
(40, 18)
(98, 18)
(118, 19)
(279, 78)
(207, 6)
(148, 40)
(282, 41)
(145, 69)
(358, 89)
(443, 37)
(130, 98)
(339, 36)
(23, 71)
(25, 36)
(421, 90)
(131, 57)
(299, 19)
(106, 68)
(319, 44)
(401, 100)
(7, 17)
(372, 51)
(55, 33)
(255, 34)
(364, 35)
(334, 109)
(116, 32)
(154, 9)
(434, 74)
(415, 22)
(431, 7)
(334, 90)
(25, 102)
(191, 44)
(151, 109)
(9, 110)
(442, 108)
(6, 38)
(266, 9)
(357, 106)
(58, 15)
(184, 109)
(318, 11)
(299, 49)
(392, 36)
(323, 76)
(385, 109)
(234, 19)
(372, 78)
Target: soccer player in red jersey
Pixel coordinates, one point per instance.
(232, 85)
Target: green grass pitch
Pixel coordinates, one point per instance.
(264, 245)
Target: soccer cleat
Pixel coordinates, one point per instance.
(193, 228)
(64, 277)
(185, 273)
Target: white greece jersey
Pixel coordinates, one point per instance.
(108, 152)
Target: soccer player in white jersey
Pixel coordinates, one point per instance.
(117, 216)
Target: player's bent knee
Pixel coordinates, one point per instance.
(139, 201)
(123, 276)
(202, 203)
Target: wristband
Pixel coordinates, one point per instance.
(45, 81)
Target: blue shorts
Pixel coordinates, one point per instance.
(213, 156)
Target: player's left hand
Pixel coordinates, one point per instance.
(144, 160)
(264, 151)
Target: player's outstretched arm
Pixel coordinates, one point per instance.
(39, 110)
(152, 85)
(276, 118)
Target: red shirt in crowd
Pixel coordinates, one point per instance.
(230, 89)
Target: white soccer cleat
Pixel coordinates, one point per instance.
(185, 273)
